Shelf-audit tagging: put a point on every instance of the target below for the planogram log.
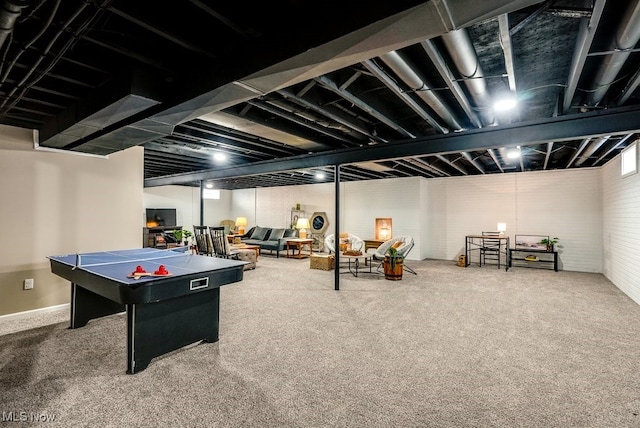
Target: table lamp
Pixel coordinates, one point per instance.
(502, 228)
(241, 222)
(303, 225)
(384, 233)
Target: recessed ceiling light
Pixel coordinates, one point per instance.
(219, 156)
(319, 175)
(209, 186)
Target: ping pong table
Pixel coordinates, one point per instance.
(164, 313)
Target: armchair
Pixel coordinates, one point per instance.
(356, 243)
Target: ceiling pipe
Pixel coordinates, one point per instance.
(441, 65)
(507, 49)
(409, 101)
(305, 120)
(286, 93)
(9, 13)
(591, 149)
(404, 71)
(331, 86)
(578, 152)
(474, 162)
(625, 39)
(586, 33)
(464, 56)
(406, 163)
(430, 167)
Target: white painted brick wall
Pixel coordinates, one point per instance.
(566, 204)
(621, 229)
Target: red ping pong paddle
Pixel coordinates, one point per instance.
(138, 275)
(140, 272)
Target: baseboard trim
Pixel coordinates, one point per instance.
(32, 312)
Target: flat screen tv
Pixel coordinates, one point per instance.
(159, 217)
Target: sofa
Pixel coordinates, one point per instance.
(270, 238)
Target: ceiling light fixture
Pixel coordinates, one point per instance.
(514, 154)
(319, 175)
(505, 104)
(218, 156)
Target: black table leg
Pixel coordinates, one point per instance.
(87, 305)
(153, 329)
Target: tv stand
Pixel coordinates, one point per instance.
(149, 234)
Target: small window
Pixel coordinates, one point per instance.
(629, 160)
(210, 193)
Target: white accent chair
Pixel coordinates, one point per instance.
(356, 243)
(403, 250)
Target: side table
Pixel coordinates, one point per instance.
(298, 243)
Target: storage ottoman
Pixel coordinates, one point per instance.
(322, 261)
(247, 255)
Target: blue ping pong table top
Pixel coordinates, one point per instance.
(117, 265)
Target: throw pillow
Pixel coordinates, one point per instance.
(259, 233)
(397, 244)
(276, 234)
(289, 233)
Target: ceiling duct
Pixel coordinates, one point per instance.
(464, 56)
(405, 72)
(625, 39)
(128, 96)
(591, 149)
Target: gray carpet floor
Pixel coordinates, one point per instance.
(448, 347)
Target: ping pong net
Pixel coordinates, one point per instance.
(112, 257)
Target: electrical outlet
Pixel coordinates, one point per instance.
(28, 284)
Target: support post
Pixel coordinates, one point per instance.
(336, 271)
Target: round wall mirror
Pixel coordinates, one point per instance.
(319, 222)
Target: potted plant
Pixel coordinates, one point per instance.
(393, 265)
(549, 242)
(179, 234)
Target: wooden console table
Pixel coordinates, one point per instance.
(372, 243)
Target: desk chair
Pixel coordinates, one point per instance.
(490, 249)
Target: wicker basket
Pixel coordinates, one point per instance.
(322, 262)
